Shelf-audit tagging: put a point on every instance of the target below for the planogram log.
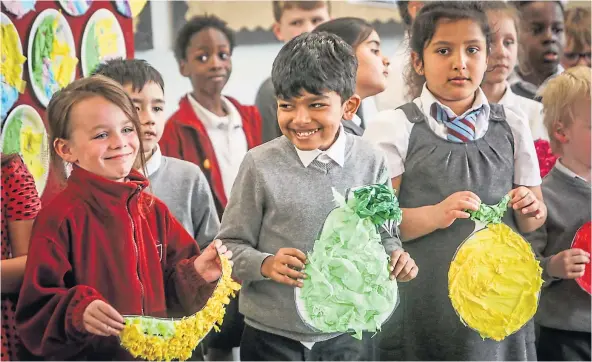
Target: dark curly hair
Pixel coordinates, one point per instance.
(194, 26)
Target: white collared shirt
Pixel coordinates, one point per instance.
(397, 92)
(391, 130)
(228, 139)
(563, 169)
(517, 78)
(335, 153)
(527, 109)
(154, 162)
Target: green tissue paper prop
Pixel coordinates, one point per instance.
(155, 327)
(12, 135)
(348, 286)
(490, 214)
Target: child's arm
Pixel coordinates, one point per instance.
(13, 269)
(204, 216)
(530, 211)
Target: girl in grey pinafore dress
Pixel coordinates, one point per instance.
(425, 326)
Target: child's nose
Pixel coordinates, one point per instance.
(459, 61)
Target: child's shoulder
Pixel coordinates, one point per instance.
(64, 207)
(273, 151)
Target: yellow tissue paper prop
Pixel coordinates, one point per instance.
(106, 37)
(11, 59)
(31, 149)
(64, 68)
(494, 281)
(161, 339)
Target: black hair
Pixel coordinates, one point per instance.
(316, 63)
(353, 30)
(404, 12)
(520, 4)
(426, 24)
(194, 26)
(136, 72)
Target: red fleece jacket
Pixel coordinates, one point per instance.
(100, 239)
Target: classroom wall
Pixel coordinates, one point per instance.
(251, 63)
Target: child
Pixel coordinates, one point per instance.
(210, 130)
(503, 21)
(283, 195)
(564, 309)
(443, 164)
(542, 40)
(20, 205)
(397, 93)
(179, 184)
(372, 69)
(577, 38)
(104, 248)
(292, 18)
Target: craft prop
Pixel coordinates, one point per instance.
(102, 40)
(19, 8)
(76, 7)
(494, 280)
(52, 56)
(25, 134)
(11, 65)
(582, 241)
(162, 339)
(348, 288)
(130, 8)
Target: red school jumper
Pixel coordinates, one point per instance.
(100, 239)
(185, 137)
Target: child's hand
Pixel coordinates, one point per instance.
(454, 206)
(208, 264)
(568, 264)
(102, 319)
(284, 267)
(525, 200)
(402, 266)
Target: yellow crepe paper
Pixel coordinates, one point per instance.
(106, 37)
(11, 59)
(494, 282)
(188, 331)
(64, 68)
(31, 149)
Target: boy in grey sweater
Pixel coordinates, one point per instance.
(181, 185)
(564, 310)
(282, 196)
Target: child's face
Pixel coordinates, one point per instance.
(573, 56)
(504, 50)
(295, 21)
(454, 61)
(149, 103)
(207, 63)
(542, 36)
(578, 135)
(312, 121)
(372, 67)
(103, 139)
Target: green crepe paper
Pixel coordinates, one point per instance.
(348, 286)
(42, 47)
(153, 326)
(490, 214)
(91, 51)
(12, 135)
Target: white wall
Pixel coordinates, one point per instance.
(251, 63)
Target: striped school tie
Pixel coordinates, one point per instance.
(460, 130)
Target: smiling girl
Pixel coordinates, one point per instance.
(448, 151)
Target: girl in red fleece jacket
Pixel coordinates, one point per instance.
(103, 247)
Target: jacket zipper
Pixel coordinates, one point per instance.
(136, 249)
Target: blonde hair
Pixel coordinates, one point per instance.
(559, 98)
(577, 27)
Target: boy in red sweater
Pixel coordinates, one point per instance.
(103, 247)
(209, 129)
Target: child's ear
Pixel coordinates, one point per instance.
(417, 63)
(183, 68)
(62, 148)
(277, 31)
(351, 106)
(559, 132)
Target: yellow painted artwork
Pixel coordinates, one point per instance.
(494, 282)
(66, 66)
(106, 37)
(11, 60)
(31, 149)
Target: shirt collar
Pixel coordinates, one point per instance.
(213, 121)
(153, 164)
(509, 97)
(427, 99)
(357, 120)
(336, 152)
(515, 77)
(566, 171)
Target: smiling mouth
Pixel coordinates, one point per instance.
(118, 157)
(306, 134)
(149, 134)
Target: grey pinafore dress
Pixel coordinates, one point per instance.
(425, 326)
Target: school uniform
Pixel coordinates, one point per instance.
(281, 199)
(524, 88)
(104, 240)
(433, 166)
(564, 309)
(527, 109)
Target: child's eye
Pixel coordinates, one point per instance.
(296, 23)
(537, 29)
(317, 105)
(557, 30)
(375, 51)
(443, 51)
(508, 42)
(472, 50)
(317, 20)
(100, 136)
(224, 55)
(202, 58)
(157, 109)
(285, 106)
(128, 130)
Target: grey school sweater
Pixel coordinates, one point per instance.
(184, 189)
(276, 203)
(563, 305)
